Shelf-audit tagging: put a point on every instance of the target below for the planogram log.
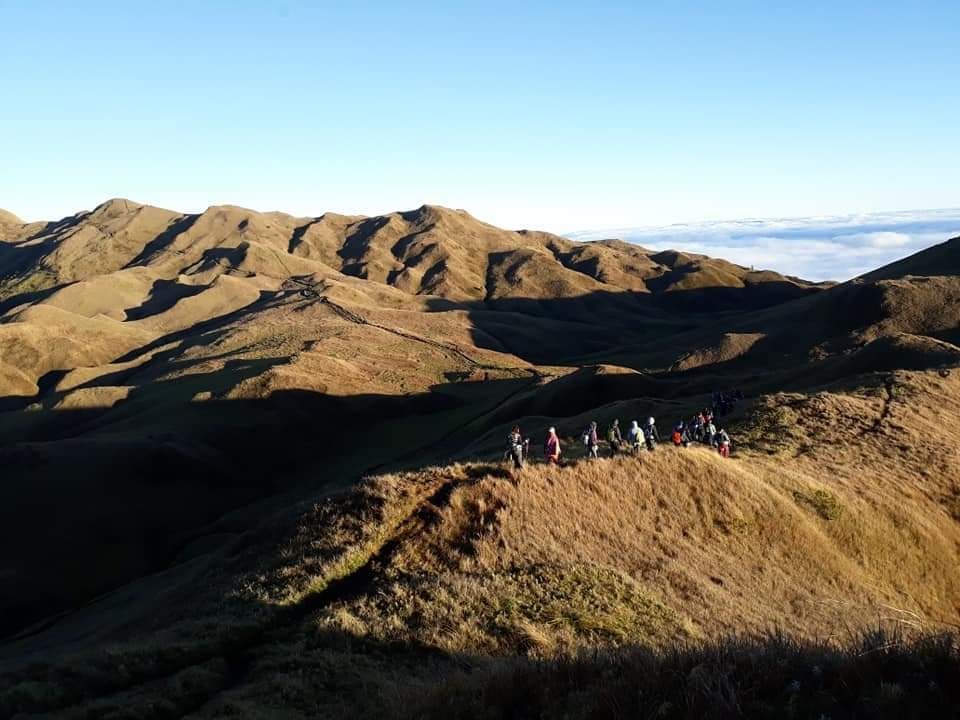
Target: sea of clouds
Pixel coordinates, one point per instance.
(816, 248)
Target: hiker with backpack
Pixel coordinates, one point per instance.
(698, 426)
(635, 437)
(680, 435)
(517, 447)
(591, 441)
(551, 447)
(710, 433)
(651, 435)
(723, 443)
(615, 438)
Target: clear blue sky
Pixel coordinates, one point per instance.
(538, 114)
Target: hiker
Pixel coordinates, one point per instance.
(615, 438)
(698, 426)
(517, 447)
(651, 435)
(635, 437)
(710, 433)
(591, 441)
(680, 435)
(551, 448)
(723, 443)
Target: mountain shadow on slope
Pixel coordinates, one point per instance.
(118, 492)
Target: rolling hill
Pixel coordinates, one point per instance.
(257, 456)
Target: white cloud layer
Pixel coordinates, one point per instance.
(816, 248)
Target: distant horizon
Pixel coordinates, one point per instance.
(588, 229)
(834, 247)
(569, 232)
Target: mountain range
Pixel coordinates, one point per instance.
(245, 446)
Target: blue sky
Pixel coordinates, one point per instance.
(553, 115)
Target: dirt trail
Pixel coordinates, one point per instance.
(360, 320)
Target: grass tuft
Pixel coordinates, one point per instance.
(821, 502)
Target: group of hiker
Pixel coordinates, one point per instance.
(637, 437)
(701, 428)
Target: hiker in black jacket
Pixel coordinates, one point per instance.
(615, 438)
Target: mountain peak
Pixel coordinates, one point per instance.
(433, 212)
(114, 207)
(8, 218)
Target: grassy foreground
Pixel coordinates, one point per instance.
(877, 675)
(599, 589)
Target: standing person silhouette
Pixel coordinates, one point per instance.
(515, 447)
(593, 441)
(551, 448)
(615, 438)
(635, 437)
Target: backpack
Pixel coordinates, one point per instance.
(677, 437)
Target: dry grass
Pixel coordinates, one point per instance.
(874, 675)
(679, 543)
(341, 604)
(844, 514)
(39, 279)
(839, 512)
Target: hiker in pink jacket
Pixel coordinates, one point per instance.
(551, 448)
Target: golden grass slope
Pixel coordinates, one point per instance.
(852, 516)
(8, 218)
(157, 272)
(44, 338)
(428, 251)
(838, 503)
(841, 510)
(429, 331)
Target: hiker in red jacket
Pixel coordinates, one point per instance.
(723, 443)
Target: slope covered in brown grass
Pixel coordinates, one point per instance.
(789, 535)
(188, 404)
(130, 333)
(416, 573)
(427, 251)
(812, 339)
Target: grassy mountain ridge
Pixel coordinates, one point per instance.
(459, 563)
(431, 250)
(194, 402)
